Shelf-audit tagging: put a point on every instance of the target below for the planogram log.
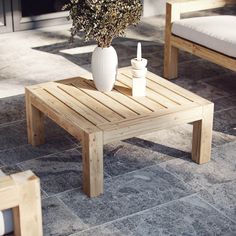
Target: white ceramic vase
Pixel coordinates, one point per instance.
(104, 68)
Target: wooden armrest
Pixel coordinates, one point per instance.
(185, 6)
(21, 192)
(174, 9)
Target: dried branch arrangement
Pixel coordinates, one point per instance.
(103, 20)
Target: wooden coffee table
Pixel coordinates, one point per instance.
(96, 118)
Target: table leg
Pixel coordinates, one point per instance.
(202, 136)
(35, 124)
(93, 164)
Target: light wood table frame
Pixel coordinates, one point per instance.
(96, 118)
(21, 192)
(174, 9)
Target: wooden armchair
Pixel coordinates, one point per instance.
(173, 42)
(21, 193)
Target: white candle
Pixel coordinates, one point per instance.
(139, 52)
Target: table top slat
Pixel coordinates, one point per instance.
(163, 90)
(161, 113)
(117, 107)
(150, 94)
(177, 89)
(74, 104)
(167, 93)
(90, 102)
(127, 91)
(66, 115)
(126, 100)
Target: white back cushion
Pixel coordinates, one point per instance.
(215, 32)
(6, 219)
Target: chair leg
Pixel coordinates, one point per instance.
(170, 61)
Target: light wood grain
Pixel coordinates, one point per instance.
(97, 118)
(174, 9)
(149, 124)
(170, 52)
(93, 104)
(203, 52)
(35, 123)
(154, 95)
(75, 105)
(197, 5)
(21, 192)
(120, 109)
(202, 136)
(93, 164)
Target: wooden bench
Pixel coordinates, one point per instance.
(97, 118)
(21, 192)
(173, 42)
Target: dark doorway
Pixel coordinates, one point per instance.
(34, 8)
(18, 15)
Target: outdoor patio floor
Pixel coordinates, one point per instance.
(151, 185)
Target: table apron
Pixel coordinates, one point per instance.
(72, 129)
(124, 131)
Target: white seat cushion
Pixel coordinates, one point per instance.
(215, 32)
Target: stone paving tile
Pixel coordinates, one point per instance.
(187, 216)
(221, 168)
(125, 195)
(220, 138)
(177, 141)
(199, 70)
(225, 103)
(27, 152)
(223, 197)
(43, 195)
(12, 135)
(202, 89)
(12, 109)
(225, 121)
(52, 129)
(127, 156)
(225, 82)
(15, 134)
(57, 172)
(1, 164)
(58, 220)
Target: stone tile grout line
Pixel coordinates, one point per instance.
(67, 207)
(11, 123)
(133, 214)
(48, 155)
(222, 213)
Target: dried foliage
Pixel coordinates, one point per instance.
(103, 20)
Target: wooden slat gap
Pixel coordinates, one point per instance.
(170, 99)
(117, 100)
(70, 107)
(146, 96)
(83, 103)
(120, 91)
(91, 102)
(151, 115)
(99, 101)
(170, 89)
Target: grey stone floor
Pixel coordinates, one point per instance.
(151, 185)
